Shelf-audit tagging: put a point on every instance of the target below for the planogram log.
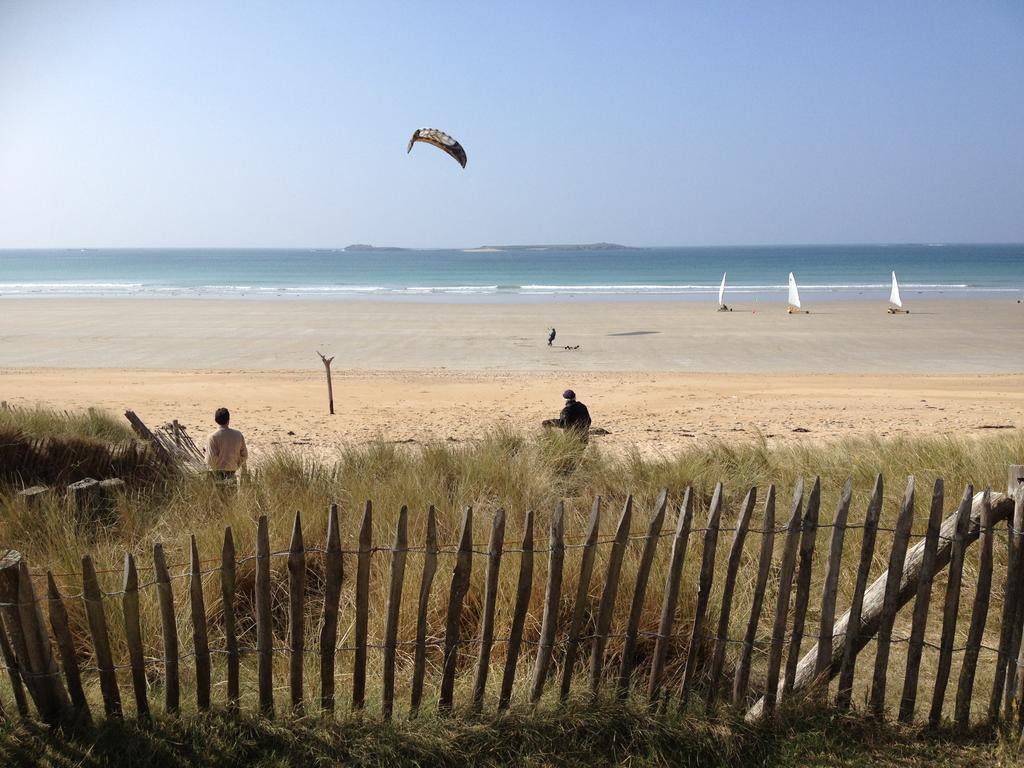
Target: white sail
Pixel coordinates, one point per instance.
(721, 291)
(894, 296)
(794, 294)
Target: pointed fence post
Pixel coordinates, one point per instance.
(951, 606)
(1006, 660)
(30, 643)
(13, 671)
(670, 598)
(524, 589)
(640, 591)
(552, 600)
(93, 598)
(808, 539)
(398, 555)
(362, 607)
(264, 620)
(66, 647)
(611, 588)
(830, 588)
(227, 592)
(199, 637)
(735, 554)
(707, 574)
(782, 602)
(426, 581)
(329, 623)
(582, 598)
(979, 614)
(742, 679)
(456, 596)
(169, 630)
(921, 604)
(851, 643)
(897, 556)
(1015, 673)
(133, 636)
(494, 549)
(296, 614)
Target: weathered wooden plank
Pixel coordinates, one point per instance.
(786, 569)
(979, 615)
(30, 643)
(524, 589)
(429, 569)
(333, 573)
(830, 588)
(1004, 679)
(133, 636)
(494, 550)
(897, 556)
(611, 588)
(951, 606)
(1001, 507)
(808, 540)
(66, 648)
(296, 614)
(227, 593)
(707, 573)
(582, 599)
(742, 678)
(264, 620)
(200, 642)
(1015, 675)
(732, 568)
(923, 599)
(168, 630)
(93, 598)
(851, 642)
(456, 596)
(362, 607)
(399, 552)
(671, 597)
(640, 591)
(552, 601)
(13, 671)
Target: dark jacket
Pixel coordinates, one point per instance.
(574, 416)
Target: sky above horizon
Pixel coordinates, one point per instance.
(255, 124)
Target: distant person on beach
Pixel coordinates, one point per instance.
(574, 416)
(551, 336)
(225, 448)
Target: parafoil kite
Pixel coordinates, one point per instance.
(442, 141)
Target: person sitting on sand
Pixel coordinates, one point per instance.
(225, 448)
(574, 416)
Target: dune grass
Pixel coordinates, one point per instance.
(502, 469)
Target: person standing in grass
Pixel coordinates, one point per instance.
(225, 448)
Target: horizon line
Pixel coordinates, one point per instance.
(889, 244)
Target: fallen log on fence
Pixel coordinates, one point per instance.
(1001, 509)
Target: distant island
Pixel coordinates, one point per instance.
(559, 247)
(365, 247)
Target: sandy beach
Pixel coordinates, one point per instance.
(657, 375)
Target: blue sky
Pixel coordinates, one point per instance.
(285, 124)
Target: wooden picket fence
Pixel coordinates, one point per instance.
(54, 681)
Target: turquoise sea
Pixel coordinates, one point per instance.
(534, 274)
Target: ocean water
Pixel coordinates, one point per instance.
(549, 273)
